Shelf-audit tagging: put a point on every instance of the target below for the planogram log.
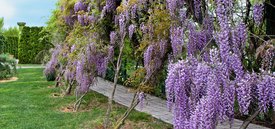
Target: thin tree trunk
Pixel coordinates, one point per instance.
(133, 104)
(69, 89)
(249, 119)
(111, 98)
(78, 102)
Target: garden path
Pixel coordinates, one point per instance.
(152, 105)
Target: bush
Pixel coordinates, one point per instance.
(50, 76)
(7, 66)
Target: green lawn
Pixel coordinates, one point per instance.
(28, 104)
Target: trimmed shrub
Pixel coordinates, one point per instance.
(7, 66)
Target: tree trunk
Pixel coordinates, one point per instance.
(69, 89)
(111, 98)
(132, 106)
(249, 119)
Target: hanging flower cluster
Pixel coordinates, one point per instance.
(203, 91)
(153, 57)
(258, 10)
(206, 95)
(52, 65)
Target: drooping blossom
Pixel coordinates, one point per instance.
(176, 40)
(192, 40)
(244, 93)
(131, 30)
(81, 19)
(172, 6)
(224, 44)
(113, 38)
(69, 20)
(122, 25)
(134, 11)
(258, 13)
(182, 15)
(162, 47)
(51, 66)
(239, 35)
(236, 65)
(110, 5)
(197, 8)
(227, 103)
(200, 81)
(147, 58)
(266, 92)
(80, 6)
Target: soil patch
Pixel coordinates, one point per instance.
(67, 109)
(50, 87)
(9, 80)
(56, 95)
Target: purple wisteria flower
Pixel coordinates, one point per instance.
(197, 7)
(244, 93)
(80, 6)
(122, 25)
(131, 30)
(239, 36)
(113, 38)
(147, 58)
(110, 5)
(176, 40)
(266, 92)
(51, 66)
(258, 12)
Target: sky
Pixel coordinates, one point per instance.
(33, 12)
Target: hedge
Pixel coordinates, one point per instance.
(2, 43)
(29, 45)
(11, 46)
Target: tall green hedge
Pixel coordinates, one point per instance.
(32, 41)
(11, 46)
(30, 45)
(2, 43)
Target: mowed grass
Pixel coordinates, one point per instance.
(28, 104)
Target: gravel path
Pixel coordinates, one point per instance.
(152, 105)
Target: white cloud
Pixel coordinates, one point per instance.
(7, 9)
